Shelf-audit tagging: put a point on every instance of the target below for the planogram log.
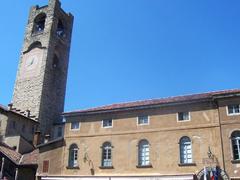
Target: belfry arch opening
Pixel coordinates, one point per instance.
(39, 23)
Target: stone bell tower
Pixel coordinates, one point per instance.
(42, 72)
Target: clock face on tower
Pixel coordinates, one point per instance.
(31, 63)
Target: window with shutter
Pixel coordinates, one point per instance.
(45, 166)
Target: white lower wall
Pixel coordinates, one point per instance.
(180, 177)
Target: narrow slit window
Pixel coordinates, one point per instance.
(55, 62)
(60, 29)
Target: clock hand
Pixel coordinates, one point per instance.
(31, 62)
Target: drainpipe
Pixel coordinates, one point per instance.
(2, 167)
(221, 138)
(16, 174)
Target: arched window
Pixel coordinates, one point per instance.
(39, 23)
(107, 154)
(143, 153)
(235, 137)
(185, 150)
(60, 29)
(73, 156)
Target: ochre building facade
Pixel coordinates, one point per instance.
(170, 138)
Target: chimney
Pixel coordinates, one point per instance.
(10, 106)
(28, 113)
(46, 138)
(36, 138)
(32, 116)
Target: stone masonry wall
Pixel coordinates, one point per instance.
(42, 89)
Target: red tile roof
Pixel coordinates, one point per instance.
(153, 102)
(17, 158)
(17, 113)
(10, 153)
(30, 158)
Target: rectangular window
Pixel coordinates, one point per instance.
(75, 125)
(233, 109)
(183, 116)
(45, 166)
(143, 120)
(106, 123)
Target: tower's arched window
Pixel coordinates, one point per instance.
(39, 23)
(55, 61)
(235, 137)
(73, 156)
(60, 29)
(185, 150)
(107, 154)
(143, 153)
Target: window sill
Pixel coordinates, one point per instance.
(107, 127)
(237, 161)
(37, 33)
(76, 167)
(144, 166)
(186, 120)
(186, 164)
(233, 114)
(145, 124)
(106, 167)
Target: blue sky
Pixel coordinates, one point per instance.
(127, 50)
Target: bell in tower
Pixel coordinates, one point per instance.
(42, 72)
